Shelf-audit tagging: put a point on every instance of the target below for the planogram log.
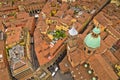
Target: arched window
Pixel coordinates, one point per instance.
(89, 52)
(84, 48)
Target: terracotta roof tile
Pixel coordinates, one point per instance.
(106, 71)
(64, 65)
(110, 40)
(101, 19)
(13, 35)
(42, 48)
(80, 73)
(113, 31)
(4, 74)
(109, 57)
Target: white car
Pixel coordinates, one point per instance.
(53, 73)
(56, 69)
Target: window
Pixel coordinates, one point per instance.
(71, 60)
(89, 51)
(94, 35)
(32, 78)
(84, 48)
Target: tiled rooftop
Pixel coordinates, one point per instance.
(4, 73)
(53, 14)
(106, 71)
(13, 35)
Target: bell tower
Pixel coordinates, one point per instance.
(72, 40)
(72, 46)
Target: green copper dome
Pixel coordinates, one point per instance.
(93, 42)
(96, 30)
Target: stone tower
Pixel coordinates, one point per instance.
(72, 40)
(72, 46)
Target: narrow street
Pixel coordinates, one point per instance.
(32, 49)
(33, 55)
